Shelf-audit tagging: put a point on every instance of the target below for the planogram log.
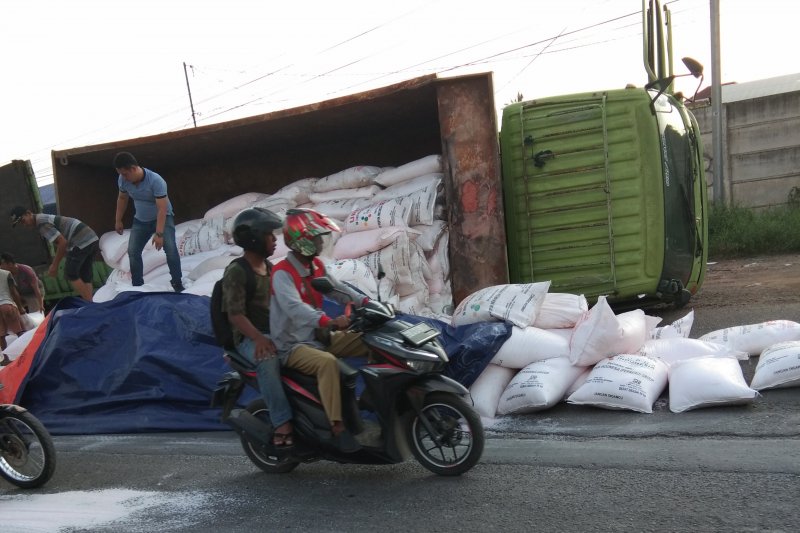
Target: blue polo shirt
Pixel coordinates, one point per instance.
(144, 195)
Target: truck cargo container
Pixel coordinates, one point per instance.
(390, 126)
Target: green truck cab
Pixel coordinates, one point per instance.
(605, 194)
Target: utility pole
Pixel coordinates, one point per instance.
(191, 105)
(716, 108)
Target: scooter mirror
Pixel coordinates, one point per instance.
(322, 284)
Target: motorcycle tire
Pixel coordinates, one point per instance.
(255, 451)
(456, 441)
(27, 453)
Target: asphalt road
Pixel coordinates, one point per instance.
(569, 468)
(203, 483)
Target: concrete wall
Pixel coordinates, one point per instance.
(761, 147)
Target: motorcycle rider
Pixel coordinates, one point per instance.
(296, 316)
(253, 230)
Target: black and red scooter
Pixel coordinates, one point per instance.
(407, 406)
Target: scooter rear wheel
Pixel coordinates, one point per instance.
(454, 442)
(270, 464)
(27, 454)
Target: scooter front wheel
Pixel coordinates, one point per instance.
(271, 464)
(447, 436)
(27, 453)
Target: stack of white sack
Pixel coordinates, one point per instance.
(560, 351)
(391, 220)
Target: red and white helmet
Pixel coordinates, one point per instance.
(301, 227)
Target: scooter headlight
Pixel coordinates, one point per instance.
(422, 366)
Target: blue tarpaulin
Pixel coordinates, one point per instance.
(147, 362)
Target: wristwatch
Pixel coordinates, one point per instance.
(159, 235)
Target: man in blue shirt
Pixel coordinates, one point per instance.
(153, 215)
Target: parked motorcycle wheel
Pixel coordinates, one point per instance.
(456, 441)
(27, 453)
(255, 451)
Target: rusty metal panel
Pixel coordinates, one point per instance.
(468, 124)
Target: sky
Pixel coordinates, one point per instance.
(84, 72)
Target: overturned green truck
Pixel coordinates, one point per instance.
(601, 193)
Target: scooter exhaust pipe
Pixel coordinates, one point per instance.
(243, 421)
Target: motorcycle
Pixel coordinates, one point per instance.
(27, 453)
(406, 403)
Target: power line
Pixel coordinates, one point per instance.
(282, 70)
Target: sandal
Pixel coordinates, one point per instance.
(283, 440)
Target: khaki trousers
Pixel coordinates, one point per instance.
(323, 365)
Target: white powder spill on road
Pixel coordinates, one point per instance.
(126, 509)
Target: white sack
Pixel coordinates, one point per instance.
(579, 381)
(707, 382)
(754, 338)
(384, 214)
(778, 366)
(635, 331)
(517, 303)
(415, 304)
(596, 335)
(679, 328)
(672, 350)
(210, 235)
(421, 204)
(538, 386)
(632, 382)
(561, 310)
(341, 209)
(401, 263)
(429, 234)
(360, 243)
(277, 204)
(343, 194)
(407, 187)
(212, 263)
(230, 207)
(531, 344)
(296, 191)
(486, 390)
(350, 178)
(427, 165)
(114, 246)
(105, 293)
(441, 303)
(18, 345)
(356, 273)
(439, 258)
(30, 321)
(151, 259)
(205, 285)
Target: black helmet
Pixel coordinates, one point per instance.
(252, 225)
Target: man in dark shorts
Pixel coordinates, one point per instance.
(71, 238)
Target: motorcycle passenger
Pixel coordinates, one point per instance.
(298, 323)
(253, 230)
